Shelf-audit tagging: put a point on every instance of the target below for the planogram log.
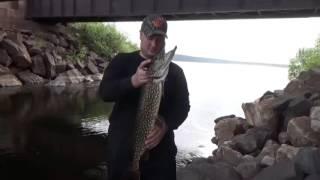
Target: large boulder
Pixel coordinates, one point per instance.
(92, 68)
(69, 77)
(269, 149)
(50, 64)
(2, 35)
(38, 66)
(5, 59)
(315, 119)
(208, 171)
(284, 170)
(286, 152)
(263, 112)
(252, 140)
(29, 78)
(308, 160)
(17, 50)
(8, 80)
(299, 106)
(305, 83)
(226, 128)
(4, 70)
(248, 169)
(228, 155)
(300, 132)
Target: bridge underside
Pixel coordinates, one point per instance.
(130, 10)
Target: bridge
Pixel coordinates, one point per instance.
(128, 10)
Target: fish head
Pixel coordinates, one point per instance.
(160, 64)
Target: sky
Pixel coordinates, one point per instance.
(252, 40)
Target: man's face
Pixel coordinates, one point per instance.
(151, 46)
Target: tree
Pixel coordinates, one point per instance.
(306, 59)
(104, 39)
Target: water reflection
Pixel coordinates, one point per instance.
(51, 133)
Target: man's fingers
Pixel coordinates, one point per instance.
(144, 63)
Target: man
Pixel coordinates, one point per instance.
(121, 83)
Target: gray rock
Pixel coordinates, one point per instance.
(29, 78)
(50, 65)
(286, 152)
(91, 67)
(17, 51)
(304, 83)
(227, 155)
(208, 171)
(268, 161)
(262, 112)
(97, 77)
(300, 132)
(283, 137)
(315, 118)
(51, 38)
(79, 65)
(104, 65)
(4, 70)
(30, 43)
(70, 66)
(248, 169)
(299, 106)
(100, 60)
(252, 140)
(35, 51)
(61, 50)
(2, 35)
(228, 127)
(63, 42)
(5, 59)
(69, 77)
(308, 160)
(284, 170)
(38, 66)
(8, 80)
(61, 67)
(217, 120)
(245, 143)
(269, 149)
(313, 177)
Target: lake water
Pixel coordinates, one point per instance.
(61, 133)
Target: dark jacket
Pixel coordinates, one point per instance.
(116, 87)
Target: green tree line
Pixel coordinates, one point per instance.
(104, 39)
(306, 59)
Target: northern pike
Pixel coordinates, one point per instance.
(149, 104)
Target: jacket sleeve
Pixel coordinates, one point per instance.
(178, 108)
(115, 83)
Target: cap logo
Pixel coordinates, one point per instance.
(158, 22)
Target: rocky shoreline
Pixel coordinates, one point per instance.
(46, 57)
(278, 139)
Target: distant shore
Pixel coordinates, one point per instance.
(185, 58)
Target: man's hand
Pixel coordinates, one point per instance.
(142, 75)
(157, 133)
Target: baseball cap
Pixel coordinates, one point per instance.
(154, 24)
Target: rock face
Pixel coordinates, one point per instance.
(278, 139)
(8, 80)
(17, 50)
(45, 57)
